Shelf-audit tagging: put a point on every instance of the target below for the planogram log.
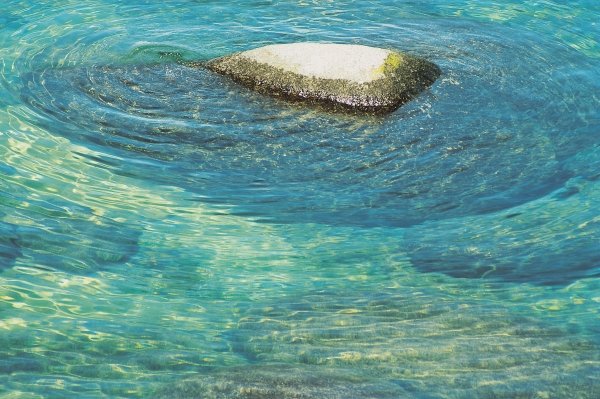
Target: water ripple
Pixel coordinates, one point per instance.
(165, 231)
(198, 124)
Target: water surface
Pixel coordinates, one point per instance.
(165, 232)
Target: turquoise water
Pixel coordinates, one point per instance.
(167, 233)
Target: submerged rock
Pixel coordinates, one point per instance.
(551, 241)
(9, 245)
(73, 241)
(77, 245)
(402, 337)
(341, 75)
(280, 381)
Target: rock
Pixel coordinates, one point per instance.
(542, 242)
(77, 245)
(281, 381)
(76, 241)
(340, 75)
(9, 245)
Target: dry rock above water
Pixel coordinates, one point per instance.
(352, 77)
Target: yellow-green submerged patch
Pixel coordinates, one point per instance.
(392, 62)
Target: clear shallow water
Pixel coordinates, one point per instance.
(166, 233)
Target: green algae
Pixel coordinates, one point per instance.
(391, 64)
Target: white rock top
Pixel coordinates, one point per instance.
(356, 63)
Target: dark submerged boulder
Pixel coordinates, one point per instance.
(77, 245)
(9, 245)
(552, 241)
(280, 381)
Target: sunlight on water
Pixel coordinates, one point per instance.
(165, 233)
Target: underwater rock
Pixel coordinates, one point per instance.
(9, 245)
(77, 245)
(280, 381)
(68, 237)
(422, 347)
(52, 233)
(551, 241)
(341, 75)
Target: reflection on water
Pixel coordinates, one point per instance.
(167, 233)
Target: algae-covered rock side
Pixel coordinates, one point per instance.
(343, 76)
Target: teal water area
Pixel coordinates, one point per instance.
(166, 233)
